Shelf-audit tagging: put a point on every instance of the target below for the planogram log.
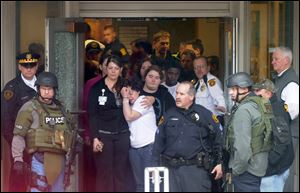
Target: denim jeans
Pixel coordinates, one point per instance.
(274, 183)
(140, 158)
(38, 167)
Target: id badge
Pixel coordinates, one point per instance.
(102, 99)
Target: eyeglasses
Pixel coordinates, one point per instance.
(164, 43)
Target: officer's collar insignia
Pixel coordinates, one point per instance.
(161, 121)
(212, 82)
(286, 107)
(8, 94)
(123, 51)
(215, 118)
(202, 88)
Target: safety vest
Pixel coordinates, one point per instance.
(53, 133)
(261, 133)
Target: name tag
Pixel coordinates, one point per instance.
(102, 100)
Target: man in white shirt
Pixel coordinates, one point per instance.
(209, 89)
(287, 85)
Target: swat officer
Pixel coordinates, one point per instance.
(209, 89)
(245, 136)
(43, 128)
(113, 44)
(187, 138)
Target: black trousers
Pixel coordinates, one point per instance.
(189, 179)
(112, 164)
(89, 169)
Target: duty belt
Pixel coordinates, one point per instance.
(113, 133)
(177, 162)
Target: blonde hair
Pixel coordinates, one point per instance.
(160, 34)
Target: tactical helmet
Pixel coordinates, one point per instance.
(240, 79)
(46, 79)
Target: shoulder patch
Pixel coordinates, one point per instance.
(161, 120)
(8, 94)
(286, 108)
(123, 51)
(212, 82)
(215, 118)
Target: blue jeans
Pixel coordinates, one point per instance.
(38, 167)
(140, 158)
(246, 182)
(274, 183)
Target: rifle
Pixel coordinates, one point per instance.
(75, 146)
(229, 187)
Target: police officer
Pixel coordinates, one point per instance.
(17, 92)
(248, 159)
(91, 65)
(43, 128)
(187, 138)
(209, 89)
(113, 44)
(287, 84)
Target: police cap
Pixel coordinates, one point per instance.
(46, 79)
(93, 46)
(28, 59)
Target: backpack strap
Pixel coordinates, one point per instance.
(261, 139)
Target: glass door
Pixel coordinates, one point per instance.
(65, 57)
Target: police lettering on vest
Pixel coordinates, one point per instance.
(54, 120)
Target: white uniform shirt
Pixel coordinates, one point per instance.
(30, 83)
(171, 89)
(211, 95)
(142, 130)
(290, 96)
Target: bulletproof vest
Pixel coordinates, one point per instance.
(280, 83)
(261, 133)
(53, 134)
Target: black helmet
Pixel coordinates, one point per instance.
(46, 79)
(240, 79)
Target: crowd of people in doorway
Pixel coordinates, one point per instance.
(154, 108)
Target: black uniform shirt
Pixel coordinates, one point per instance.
(14, 95)
(178, 136)
(116, 47)
(104, 113)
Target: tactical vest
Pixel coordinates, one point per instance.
(261, 133)
(53, 134)
(281, 82)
